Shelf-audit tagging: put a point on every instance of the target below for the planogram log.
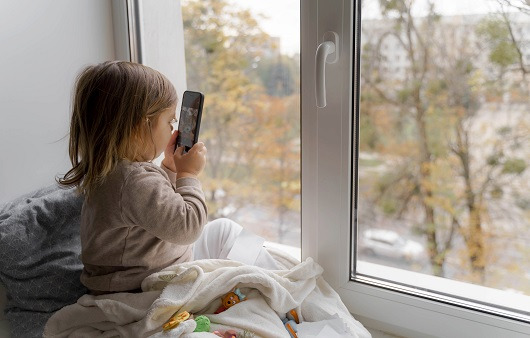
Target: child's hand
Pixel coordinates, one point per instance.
(192, 163)
(168, 161)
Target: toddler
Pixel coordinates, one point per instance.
(137, 218)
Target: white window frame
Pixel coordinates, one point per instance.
(326, 180)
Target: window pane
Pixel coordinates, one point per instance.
(244, 56)
(444, 128)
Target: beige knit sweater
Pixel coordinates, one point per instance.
(139, 221)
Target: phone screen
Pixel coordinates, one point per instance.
(190, 119)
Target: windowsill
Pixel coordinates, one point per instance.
(494, 301)
(380, 334)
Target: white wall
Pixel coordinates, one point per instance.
(43, 46)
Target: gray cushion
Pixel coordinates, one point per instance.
(39, 257)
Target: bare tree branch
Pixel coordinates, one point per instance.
(512, 37)
(524, 6)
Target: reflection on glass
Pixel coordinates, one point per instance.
(444, 183)
(250, 124)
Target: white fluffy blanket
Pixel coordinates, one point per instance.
(197, 287)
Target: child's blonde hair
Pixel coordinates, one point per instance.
(114, 104)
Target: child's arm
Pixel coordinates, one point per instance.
(168, 162)
(170, 173)
(148, 200)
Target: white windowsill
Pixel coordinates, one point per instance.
(470, 295)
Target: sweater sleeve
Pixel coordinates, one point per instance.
(172, 175)
(148, 200)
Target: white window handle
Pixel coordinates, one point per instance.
(327, 52)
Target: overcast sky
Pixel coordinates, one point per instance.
(284, 15)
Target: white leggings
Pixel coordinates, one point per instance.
(218, 238)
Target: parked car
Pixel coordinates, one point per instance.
(388, 243)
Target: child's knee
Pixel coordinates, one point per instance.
(225, 226)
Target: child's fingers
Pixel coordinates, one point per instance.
(172, 143)
(198, 147)
(179, 152)
(202, 151)
(173, 139)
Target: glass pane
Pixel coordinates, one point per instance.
(244, 56)
(444, 183)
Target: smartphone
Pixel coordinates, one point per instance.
(190, 119)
